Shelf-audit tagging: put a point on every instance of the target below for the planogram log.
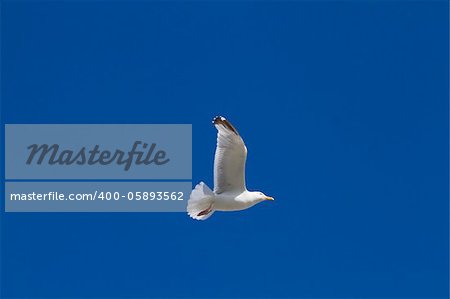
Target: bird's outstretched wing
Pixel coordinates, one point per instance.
(229, 161)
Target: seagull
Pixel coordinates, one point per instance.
(230, 192)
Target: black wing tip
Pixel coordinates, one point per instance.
(220, 120)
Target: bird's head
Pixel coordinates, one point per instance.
(259, 196)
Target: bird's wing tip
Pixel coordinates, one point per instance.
(220, 120)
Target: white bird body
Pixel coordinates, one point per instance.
(234, 202)
(230, 192)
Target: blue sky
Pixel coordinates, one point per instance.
(343, 106)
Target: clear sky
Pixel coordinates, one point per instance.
(343, 106)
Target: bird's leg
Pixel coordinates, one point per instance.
(206, 212)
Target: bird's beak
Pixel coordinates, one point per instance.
(269, 198)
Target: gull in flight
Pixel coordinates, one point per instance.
(230, 192)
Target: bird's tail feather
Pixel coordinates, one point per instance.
(201, 202)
